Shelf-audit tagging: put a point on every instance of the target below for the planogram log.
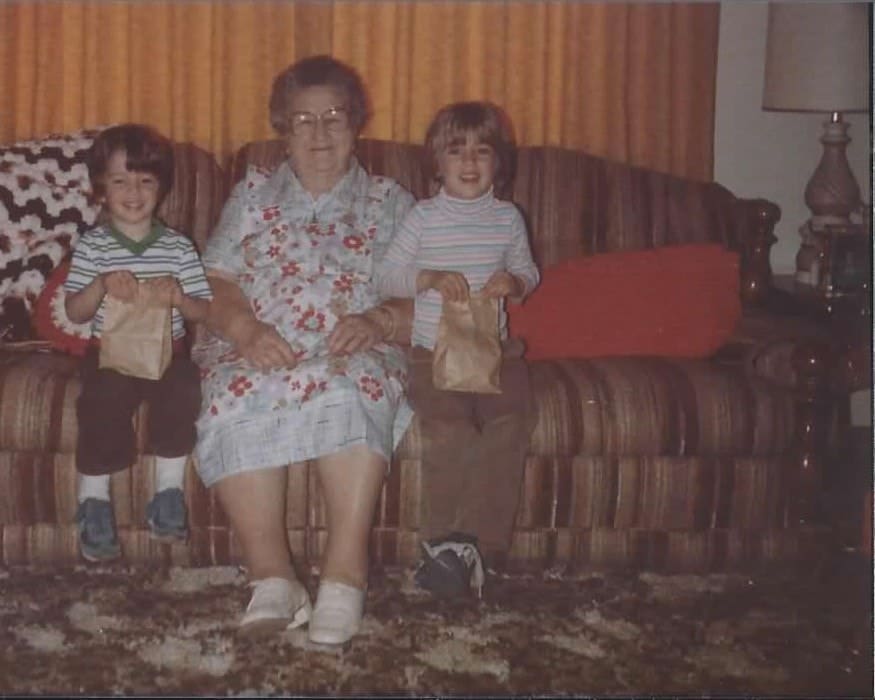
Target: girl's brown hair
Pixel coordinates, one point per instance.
(487, 122)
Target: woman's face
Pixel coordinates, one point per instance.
(321, 140)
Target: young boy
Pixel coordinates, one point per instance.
(465, 240)
(131, 170)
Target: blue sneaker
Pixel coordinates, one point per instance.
(166, 515)
(97, 538)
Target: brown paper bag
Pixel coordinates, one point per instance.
(467, 352)
(137, 338)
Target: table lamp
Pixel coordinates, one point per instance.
(817, 60)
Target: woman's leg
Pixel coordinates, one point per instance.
(255, 503)
(351, 481)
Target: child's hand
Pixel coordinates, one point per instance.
(452, 285)
(165, 290)
(120, 284)
(502, 284)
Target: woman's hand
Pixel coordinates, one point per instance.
(264, 348)
(354, 333)
(120, 284)
(502, 284)
(452, 285)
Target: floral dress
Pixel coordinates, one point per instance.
(303, 263)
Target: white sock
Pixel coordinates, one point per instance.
(169, 473)
(93, 487)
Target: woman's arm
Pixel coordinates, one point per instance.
(231, 317)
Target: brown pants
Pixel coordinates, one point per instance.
(106, 406)
(473, 453)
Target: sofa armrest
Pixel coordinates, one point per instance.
(756, 237)
(768, 346)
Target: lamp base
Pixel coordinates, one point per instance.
(832, 193)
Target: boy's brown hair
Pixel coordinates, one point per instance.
(487, 122)
(146, 149)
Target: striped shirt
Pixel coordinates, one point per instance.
(163, 252)
(476, 237)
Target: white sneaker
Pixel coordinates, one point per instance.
(276, 604)
(337, 615)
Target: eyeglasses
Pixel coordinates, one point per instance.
(334, 119)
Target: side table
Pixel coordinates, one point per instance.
(848, 318)
(828, 373)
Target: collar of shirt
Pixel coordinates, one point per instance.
(291, 196)
(465, 207)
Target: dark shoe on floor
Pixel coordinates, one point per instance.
(97, 538)
(450, 566)
(166, 515)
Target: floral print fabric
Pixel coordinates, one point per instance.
(303, 263)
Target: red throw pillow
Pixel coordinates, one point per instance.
(50, 320)
(676, 301)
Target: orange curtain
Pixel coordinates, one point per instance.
(630, 82)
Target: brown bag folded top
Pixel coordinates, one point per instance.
(137, 337)
(467, 352)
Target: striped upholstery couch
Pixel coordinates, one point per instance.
(666, 464)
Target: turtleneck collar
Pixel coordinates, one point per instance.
(457, 205)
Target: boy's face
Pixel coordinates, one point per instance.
(467, 167)
(130, 197)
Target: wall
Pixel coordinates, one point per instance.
(773, 154)
(770, 154)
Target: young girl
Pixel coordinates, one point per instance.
(460, 241)
(131, 170)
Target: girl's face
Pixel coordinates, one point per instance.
(467, 167)
(130, 197)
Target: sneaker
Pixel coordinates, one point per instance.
(276, 604)
(451, 566)
(337, 615)
(166, 515)
(97, 538)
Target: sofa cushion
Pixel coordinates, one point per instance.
(50, 321)
(679, 301)
(38, 392)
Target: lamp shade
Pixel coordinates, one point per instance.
(817, 57)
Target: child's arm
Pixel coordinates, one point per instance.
(192, 309)
(520, 275)
(395, 274)
(191, 291)
(83, 304)
(398, 274)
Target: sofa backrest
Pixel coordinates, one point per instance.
(575, 204)
(194, 203)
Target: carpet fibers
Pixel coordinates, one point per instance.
(118, 630)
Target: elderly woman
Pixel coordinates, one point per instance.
(294, 361)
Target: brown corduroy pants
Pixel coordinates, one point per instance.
(106, 406)
(473, 453)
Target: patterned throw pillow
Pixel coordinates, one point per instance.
(44, 208)
(50, 321)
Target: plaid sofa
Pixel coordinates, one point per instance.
(646, 462)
